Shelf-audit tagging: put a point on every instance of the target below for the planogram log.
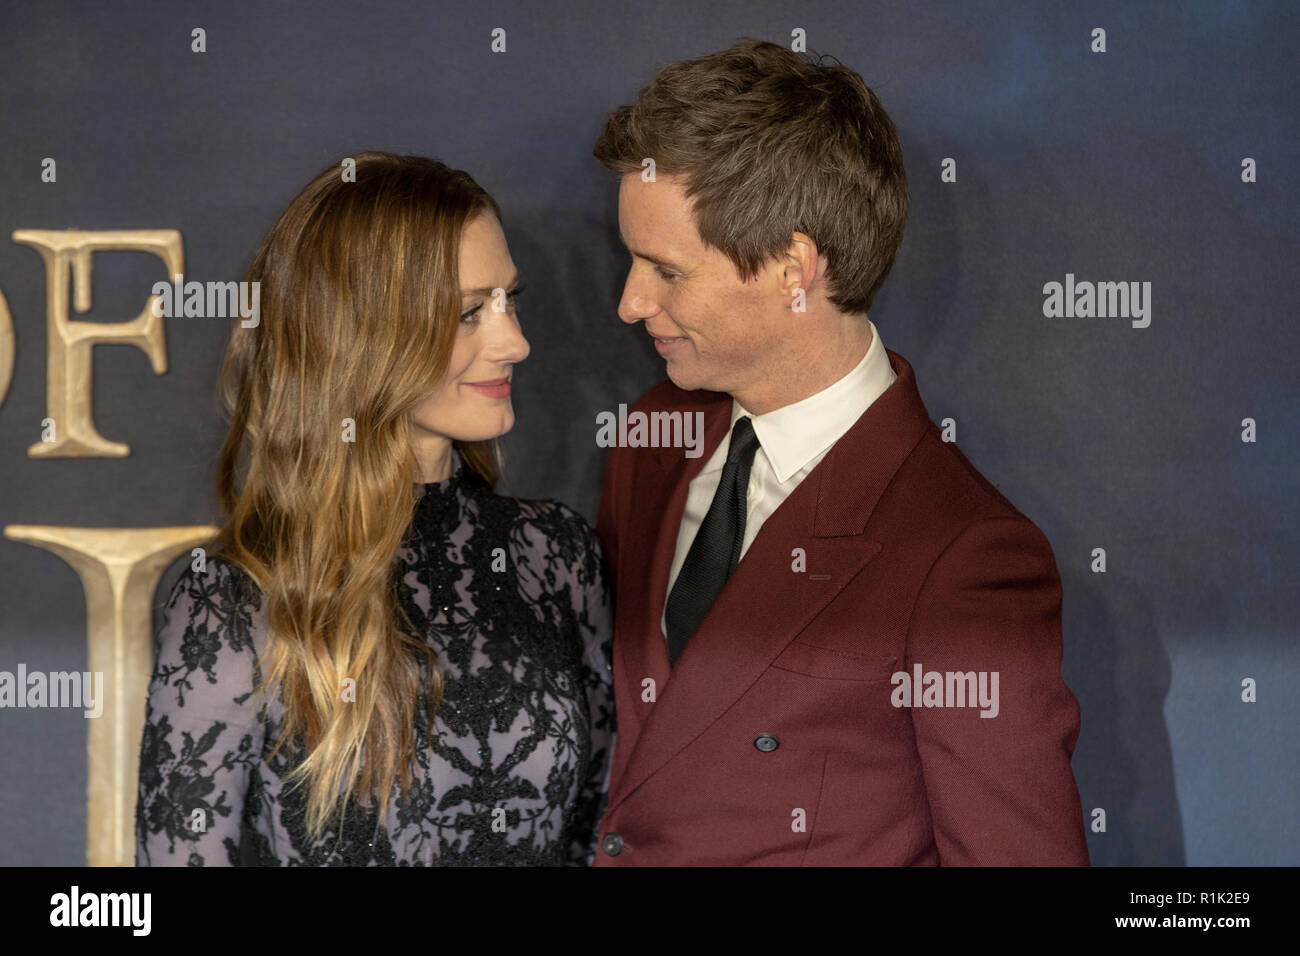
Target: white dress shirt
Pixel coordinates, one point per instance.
(793, 440)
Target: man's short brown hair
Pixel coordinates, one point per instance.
(770, 142)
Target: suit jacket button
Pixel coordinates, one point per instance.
(766, 742)
(612, 844)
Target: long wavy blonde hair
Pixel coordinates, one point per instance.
(360, 306)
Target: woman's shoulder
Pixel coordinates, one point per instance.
(549, 516)
(546, 527)
(214, 605)
(552, 516)
(205, 651)
(215, 580)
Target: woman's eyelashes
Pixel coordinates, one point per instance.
(512, 300)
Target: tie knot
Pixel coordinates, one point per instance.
(743, 442)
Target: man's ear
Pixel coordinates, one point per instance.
(800, 264)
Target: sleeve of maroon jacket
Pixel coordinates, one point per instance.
(1000, 788)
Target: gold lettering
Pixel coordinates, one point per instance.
(119, 570)
(69, 366)
(6, 348)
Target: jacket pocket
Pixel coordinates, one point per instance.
(814, 661)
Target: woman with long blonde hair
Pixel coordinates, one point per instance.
(379, 660)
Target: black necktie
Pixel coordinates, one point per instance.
(715, 552)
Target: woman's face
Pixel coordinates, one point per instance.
(473, 402)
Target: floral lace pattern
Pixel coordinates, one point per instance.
(513, 597)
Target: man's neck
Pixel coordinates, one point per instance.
(828, 368)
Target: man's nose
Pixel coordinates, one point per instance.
(636, 304)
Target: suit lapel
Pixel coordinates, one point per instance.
(659, 494)
(765, 603)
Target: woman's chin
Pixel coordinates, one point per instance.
(490, 431)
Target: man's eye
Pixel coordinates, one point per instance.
(666, 276)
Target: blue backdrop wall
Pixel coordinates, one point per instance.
(1123, 165)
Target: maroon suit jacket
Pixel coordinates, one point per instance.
(774, 740)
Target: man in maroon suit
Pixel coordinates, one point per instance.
(835, 641)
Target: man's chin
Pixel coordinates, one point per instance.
(691, 377)
(682, 378)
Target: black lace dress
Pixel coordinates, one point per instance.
(513, 597)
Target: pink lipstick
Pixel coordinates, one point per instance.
(495, 388)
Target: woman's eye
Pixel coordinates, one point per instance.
(512, 302)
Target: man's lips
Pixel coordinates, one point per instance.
(665, 345)
(492, 388)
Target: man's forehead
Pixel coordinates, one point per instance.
(654, 206)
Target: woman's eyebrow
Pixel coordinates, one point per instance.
(491, 289)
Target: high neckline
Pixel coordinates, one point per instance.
(424, 488)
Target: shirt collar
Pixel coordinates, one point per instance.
(795, 434)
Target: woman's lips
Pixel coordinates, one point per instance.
(496, 388)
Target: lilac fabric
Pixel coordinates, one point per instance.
(512, 595)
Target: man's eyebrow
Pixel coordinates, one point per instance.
(488, 291)
(649, 258)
